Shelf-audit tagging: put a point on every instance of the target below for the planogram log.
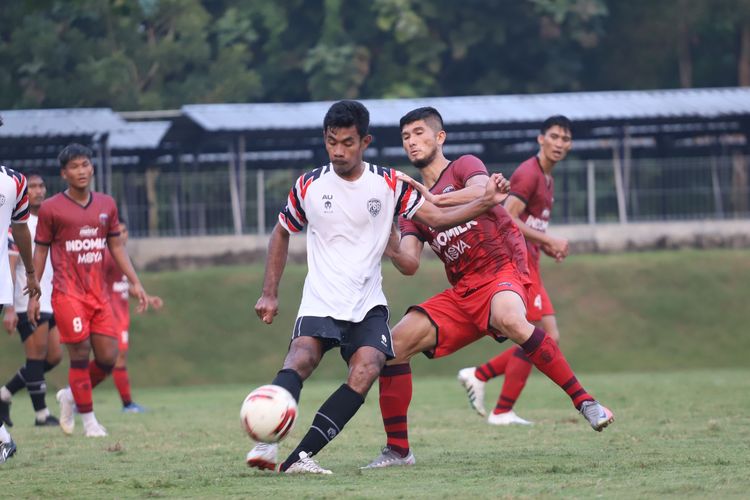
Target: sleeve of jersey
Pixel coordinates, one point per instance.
(468, 167)
(114, 221)
(408, 227)
(43, 235)
(293, 217)
(21, 209)
(408, 200)
(522, 185)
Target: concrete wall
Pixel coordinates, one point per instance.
(180, 253)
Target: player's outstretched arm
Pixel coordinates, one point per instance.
(22, 237)
(404, 252)
(444, 218)
(10, 318)
(117, 249)
(267, 305)
(556, 248)
(40, 259)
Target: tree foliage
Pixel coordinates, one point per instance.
(150, 54)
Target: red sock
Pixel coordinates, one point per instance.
(80, 385)
(98, 372)
(542, 350)
(516, 374)
(395, 396)
(494, 367)
(122, 382)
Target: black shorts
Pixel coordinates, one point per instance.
(372, 331)
(24, 327)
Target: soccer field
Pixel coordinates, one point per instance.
(677, 434)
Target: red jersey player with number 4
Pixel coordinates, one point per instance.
(77, 226)
(485, 261)
(530, 204)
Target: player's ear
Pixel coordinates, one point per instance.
(366, 140)
(540, 139)
(441, 137)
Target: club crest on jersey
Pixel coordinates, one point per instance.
(374, 206)
(327, 203)
(103, 219)
(449, 188)
(2, 200)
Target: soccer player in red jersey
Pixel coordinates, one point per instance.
(530, 205)
(76, 226)
(485, 261)
(120, 291)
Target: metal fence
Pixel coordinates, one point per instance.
(200, 202)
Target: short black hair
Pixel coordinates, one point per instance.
(72, 151)
(33, 173)
(425, 113)
(557, 120)
(346, 114)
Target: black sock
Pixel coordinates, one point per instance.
(18, 381)
(34, 375)
(289, 380)
(331, 418)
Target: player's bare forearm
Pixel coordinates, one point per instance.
(40, 258)
(407, 255)
(278, 250)
(445, 218)
(461, 196)
(117, 249)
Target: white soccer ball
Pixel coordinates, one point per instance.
(268, 413)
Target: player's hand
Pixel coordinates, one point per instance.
(419, 187)
(32, 288)
(497, 189)
(142, 296)
(33, 311)
(557, 248)
(155, 302)
(10, 320)
(266, 308)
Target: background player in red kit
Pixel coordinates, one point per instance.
(78, 225)
(120, 291)
(485, 261)
(530, 205)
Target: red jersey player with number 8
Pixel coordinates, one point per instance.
(76, 226)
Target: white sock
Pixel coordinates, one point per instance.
(42, 415)
(89, 419)
(4, 436)
(5, 394)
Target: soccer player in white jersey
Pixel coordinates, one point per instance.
(348, 207)
(14, 212)
(41, 341)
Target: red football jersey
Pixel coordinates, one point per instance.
(478, 248)
(118, 286)
(77, 237)
(530, 184)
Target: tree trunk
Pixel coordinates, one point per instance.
(743, 64)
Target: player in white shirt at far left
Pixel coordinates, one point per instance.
(348, 207)
(14, 212)
(41, 340)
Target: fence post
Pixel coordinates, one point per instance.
(234, 195)
(591, 190)
(715, 183)
(242, 177)
(617, 166)
(260, 184)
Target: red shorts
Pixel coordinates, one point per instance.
(122, 341)
(463, 319)
(77, 319)
(539, 304)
